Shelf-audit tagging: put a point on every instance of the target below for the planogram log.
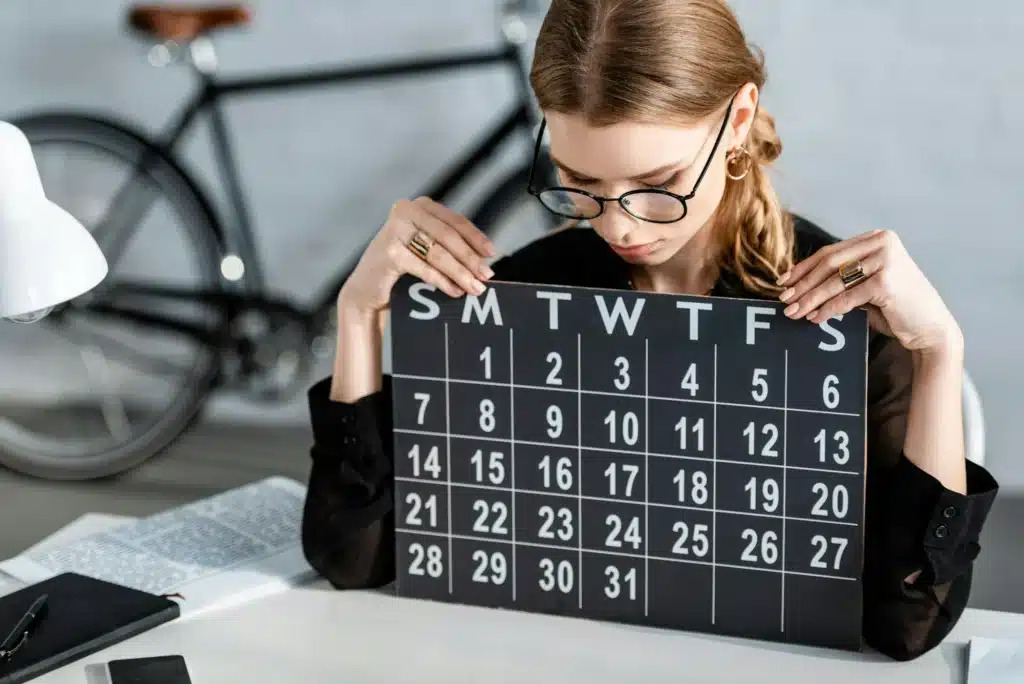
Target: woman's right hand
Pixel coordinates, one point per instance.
(454, 264)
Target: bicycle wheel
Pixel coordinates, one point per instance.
(86, 395)
(510, 216)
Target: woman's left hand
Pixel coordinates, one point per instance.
(899, 299)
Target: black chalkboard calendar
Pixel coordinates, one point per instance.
(695, 463)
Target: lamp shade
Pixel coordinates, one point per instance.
(46, 256)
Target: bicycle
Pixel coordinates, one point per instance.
(236, 334)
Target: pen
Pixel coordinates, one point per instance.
(19, 634)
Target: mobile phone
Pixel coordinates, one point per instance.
(169, 669)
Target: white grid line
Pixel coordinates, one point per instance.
(552, 388)
(512, 450)
(448, 455)
(785, 401)
(634, 502)
(647, 478)
(714, 480)
(656, 454)
(579, 467)
(603, 552)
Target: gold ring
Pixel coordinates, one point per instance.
(421, 244)
(851, 272)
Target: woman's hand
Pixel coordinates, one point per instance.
(899, 299)
(455, 262)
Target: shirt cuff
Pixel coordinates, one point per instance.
(937, 527)
(349, 437)
(339, 424)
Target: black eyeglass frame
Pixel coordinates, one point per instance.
(601, 201)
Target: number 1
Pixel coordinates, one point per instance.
(485, 356)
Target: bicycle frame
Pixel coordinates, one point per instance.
(212, 91)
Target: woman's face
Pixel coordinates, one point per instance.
(611, 160)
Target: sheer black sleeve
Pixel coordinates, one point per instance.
(348, 521)
(913, 523)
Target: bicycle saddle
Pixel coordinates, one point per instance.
(183, 22)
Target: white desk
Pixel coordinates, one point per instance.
(316, 634)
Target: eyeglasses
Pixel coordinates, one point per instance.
(647, 204)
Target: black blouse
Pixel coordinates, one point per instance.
(912, 521)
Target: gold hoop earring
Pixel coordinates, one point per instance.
(738, 154)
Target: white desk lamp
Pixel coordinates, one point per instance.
(46, 256)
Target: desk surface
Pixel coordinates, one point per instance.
(315, 634)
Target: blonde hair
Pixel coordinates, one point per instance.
(672, 60)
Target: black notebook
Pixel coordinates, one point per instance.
(83, 615)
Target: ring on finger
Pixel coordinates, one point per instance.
(420, 243)
(851, 273)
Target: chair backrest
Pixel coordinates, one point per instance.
(974, 422)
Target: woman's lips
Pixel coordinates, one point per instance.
(635, 250)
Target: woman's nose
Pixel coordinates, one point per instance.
(615, 223)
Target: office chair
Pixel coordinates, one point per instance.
(974, 422)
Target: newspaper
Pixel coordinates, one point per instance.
(87, 523)
(232, 547)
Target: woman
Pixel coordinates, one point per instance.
(663, 95)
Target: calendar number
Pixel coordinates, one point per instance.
(698, 542)
(490, 569)
(495, 466)
(616, 580)
(555, 359)
(840, 500)
(760, 385)
(424, 399)
(425, 561)
(768, 549)
(769, 493)
(842, 454)
(431, 463)
(548, 514)
(498, 514)
(622, 379)
(487, 415)
(771, 433)
(830, 391)
(697, 428)
(485, 356)
(689, 381)
(562, 472)
(630, 534)
(630, 427)
(416, 503)
(560, 576)
(822, 545)
(698, 486)
(554, 418)
(629, 471)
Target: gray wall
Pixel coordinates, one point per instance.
(893, 114)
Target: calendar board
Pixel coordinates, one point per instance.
(695, 463)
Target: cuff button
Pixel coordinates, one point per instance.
(941, 531)
(949, 512)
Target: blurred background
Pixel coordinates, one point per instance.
(892, 115)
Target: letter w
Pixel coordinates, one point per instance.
(619, 310)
